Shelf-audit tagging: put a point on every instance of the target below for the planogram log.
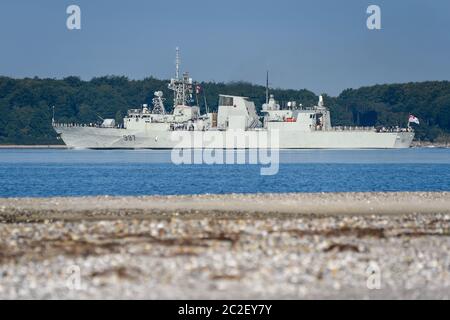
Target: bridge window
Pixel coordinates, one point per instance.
(226, 101)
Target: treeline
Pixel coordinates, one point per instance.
(391, 104)
(26, 104)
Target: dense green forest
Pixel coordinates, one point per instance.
(25, 104)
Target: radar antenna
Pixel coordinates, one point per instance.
(158, 103)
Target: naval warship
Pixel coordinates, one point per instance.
(235, 125)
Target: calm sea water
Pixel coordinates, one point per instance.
(45, 173)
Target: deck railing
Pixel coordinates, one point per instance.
(356, 128)
(88, 125)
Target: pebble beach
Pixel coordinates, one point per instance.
(254, 246)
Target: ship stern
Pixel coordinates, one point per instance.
(404, 140)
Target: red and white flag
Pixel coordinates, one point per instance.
(198, 89)
(413, 119)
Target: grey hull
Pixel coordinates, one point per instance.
(112, 138)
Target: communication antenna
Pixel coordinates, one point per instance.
(177, 63)
(206, 103)
(267, 87)
(98, 116)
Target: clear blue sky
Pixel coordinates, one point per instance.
(321, 45)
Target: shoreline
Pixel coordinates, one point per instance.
(33, 147)
(426, 144)
(329, 203)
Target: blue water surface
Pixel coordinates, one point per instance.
(45, 173)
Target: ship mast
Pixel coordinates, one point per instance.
(177, 64)
(182, 87)
(267, 87)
